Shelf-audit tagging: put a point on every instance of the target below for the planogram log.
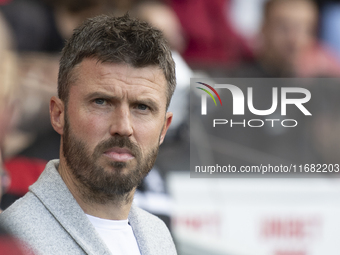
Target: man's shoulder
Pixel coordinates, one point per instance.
(25, 216)
(28, 207)
(29, 220)
(22, 209)
(38, 218)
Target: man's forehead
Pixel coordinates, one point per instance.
(104, 75)
(122, 71)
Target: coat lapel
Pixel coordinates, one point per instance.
(139, 230)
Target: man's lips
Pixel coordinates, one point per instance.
(119, 154)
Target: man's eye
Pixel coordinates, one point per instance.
(142, 107)
(100, 101)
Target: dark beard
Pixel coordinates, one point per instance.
(96, 184)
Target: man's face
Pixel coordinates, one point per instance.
(289, 30)
(115, 120)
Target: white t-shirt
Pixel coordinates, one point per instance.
(117, 235)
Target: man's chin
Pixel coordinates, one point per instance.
(118, 167)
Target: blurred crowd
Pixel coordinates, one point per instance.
(219, 38)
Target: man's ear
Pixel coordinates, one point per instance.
(57, 111)
(168, 119)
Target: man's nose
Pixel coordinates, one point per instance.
(121, 123)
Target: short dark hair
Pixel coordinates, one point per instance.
(116, 40)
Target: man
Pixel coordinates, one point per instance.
(289, 29)
(116, 79)
(288, 43)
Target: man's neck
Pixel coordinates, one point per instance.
(116, 209)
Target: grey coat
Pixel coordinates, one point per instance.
(50, 221)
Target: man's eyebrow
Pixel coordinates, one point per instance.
(100, 95)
